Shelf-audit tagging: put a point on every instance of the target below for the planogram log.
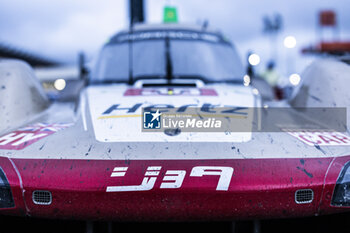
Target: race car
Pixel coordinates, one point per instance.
(108, 155)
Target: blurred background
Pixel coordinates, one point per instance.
(58, 29)
(287, 34)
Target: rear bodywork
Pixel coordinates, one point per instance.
(93, 161)
(254, 176)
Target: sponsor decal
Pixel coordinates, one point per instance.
(26, 136)
(205, 108)
(172, 179)
(119, 118)
(170, 92)
(321, 138)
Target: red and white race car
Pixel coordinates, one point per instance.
(95, 159)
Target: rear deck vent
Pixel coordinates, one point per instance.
(42, 197)
(303, 196)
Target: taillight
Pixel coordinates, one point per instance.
(6, 199)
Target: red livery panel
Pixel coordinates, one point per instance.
(175, 189)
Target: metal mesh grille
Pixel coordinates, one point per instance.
(42, 197)
(304, 196)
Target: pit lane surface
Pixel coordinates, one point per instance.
(337, 223)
